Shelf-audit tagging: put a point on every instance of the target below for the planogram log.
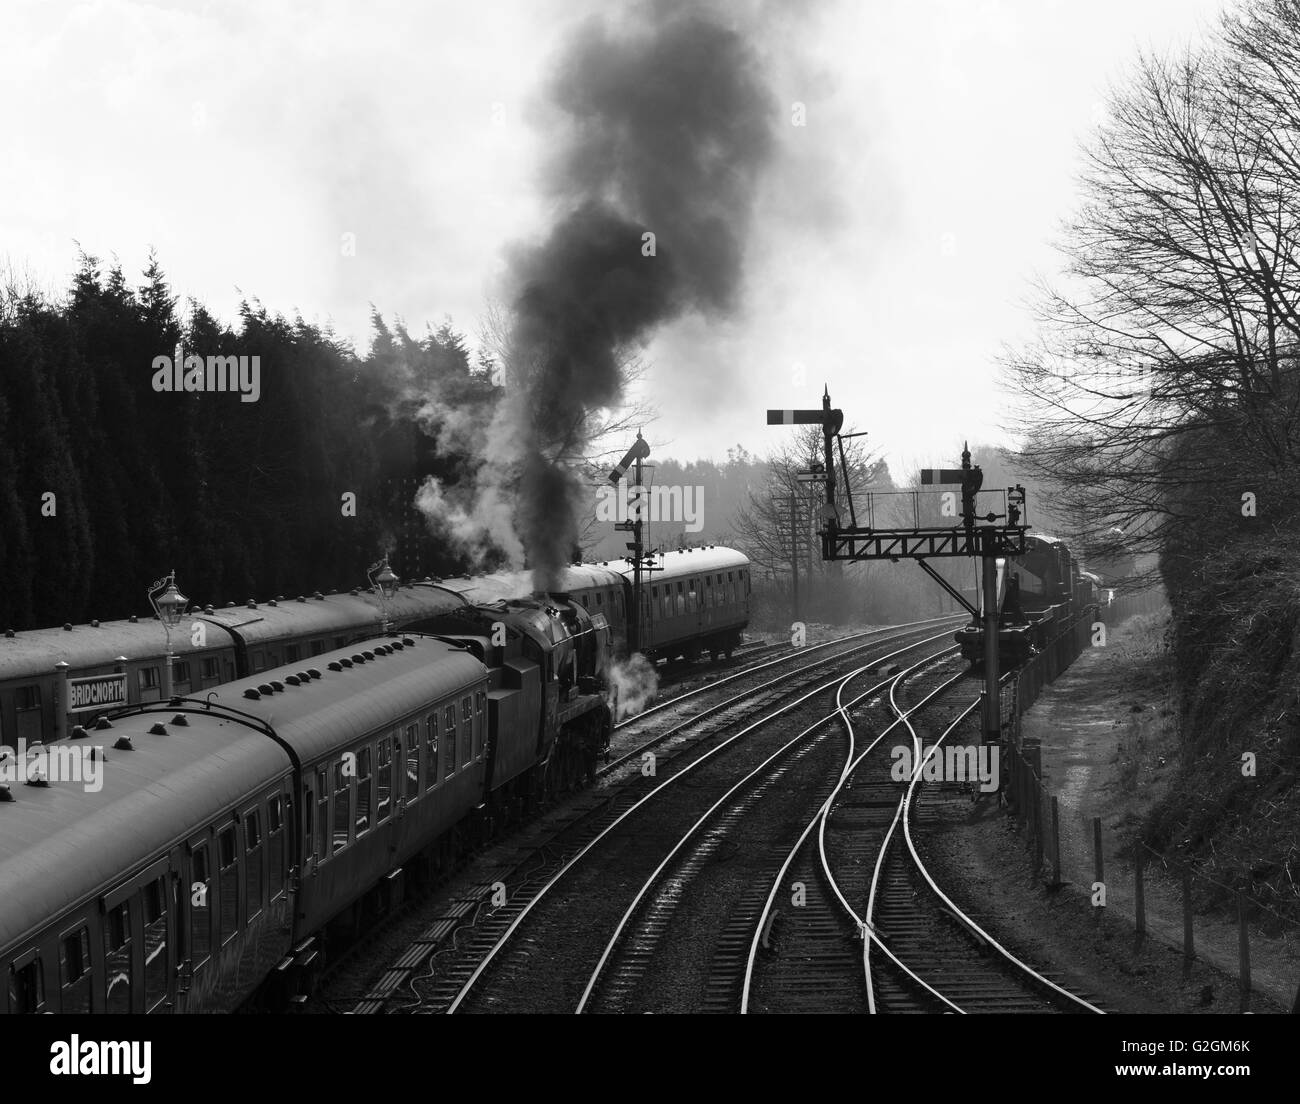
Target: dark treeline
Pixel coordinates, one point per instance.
(242, 499)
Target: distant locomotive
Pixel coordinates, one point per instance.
(1040, 594)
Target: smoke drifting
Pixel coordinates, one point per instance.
(666, 127)
(670, 125)
(632, 686)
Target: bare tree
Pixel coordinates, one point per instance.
(777, 528)
(1178, 318)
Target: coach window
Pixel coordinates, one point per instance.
(317, 646)
(412, 762)
(252, 864)
(292, 653)
(117, 958)
(384, 779)
(681, 600)
(449, 730)
(27, 987)
(74, 970)
(154, 896)
(180, 674)
(228, 858)
(322, 814)
(147, 679)
(431, 751)
(363, 790)
(27, 700)
(275, 846)
(340, 642)
(211, 669)
(466, 728)
(480, 704)
(259, 663)
(200, 890)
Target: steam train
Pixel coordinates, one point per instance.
(184, 856)
(1039, 595)
(694, 601)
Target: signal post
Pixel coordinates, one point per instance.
(635, 525)
(845, 539)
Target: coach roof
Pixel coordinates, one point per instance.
(60, 843)
(692, 561)
(321, 716)
(33, 653)
(334, 613)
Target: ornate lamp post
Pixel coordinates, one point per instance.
(169, 604)
(384, 583)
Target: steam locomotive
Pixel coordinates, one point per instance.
(188, 855)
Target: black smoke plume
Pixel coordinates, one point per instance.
(664, 127)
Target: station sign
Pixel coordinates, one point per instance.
(96, 692)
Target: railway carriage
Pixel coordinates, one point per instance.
(30, 683)
(238, 641)
(224, 837)
(226, 833)
(692, 601)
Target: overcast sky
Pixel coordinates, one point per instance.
(890, 255)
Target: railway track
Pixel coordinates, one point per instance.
(643, 930)
(972, 973)
(911, 948)
(439, 970)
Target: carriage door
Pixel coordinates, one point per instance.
(139, 948)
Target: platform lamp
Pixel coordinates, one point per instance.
(169, 604)
(384, 583)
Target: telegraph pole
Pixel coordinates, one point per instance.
(638, 549)
(634, 456)
(794, 562)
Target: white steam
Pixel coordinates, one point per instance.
(633, 684)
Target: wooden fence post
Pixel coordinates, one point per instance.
(1099, 861)
(1139, 891)
(1243, 944)
(1056, 843)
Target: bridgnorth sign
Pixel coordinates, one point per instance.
(96, 692)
